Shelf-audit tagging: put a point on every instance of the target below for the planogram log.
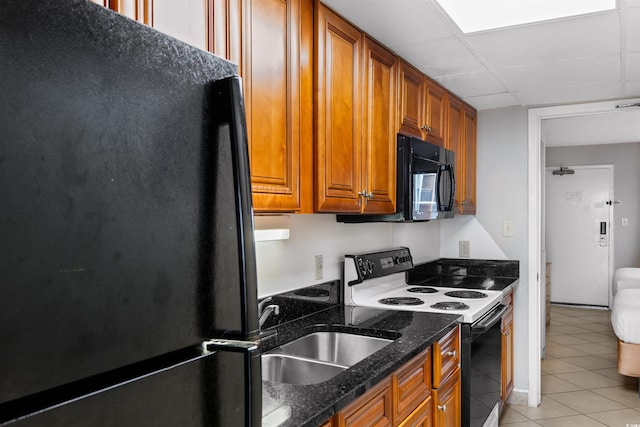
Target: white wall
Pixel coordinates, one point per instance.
(501, 192)
(625, 159)
(468, 228)
(284, 265)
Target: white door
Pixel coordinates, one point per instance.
(578, 234)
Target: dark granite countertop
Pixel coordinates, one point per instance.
(480, 274)
(291, 405)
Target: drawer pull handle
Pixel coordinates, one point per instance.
(452, 354)
(442, 408)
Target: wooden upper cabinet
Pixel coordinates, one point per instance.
(423, 106)
(338, 135)
(140, 10)
(379, 128)
(224, 29)
(455, 143)
(461, 138)
(411, 101)
(277, 74)
(435, 125)
(470, 130)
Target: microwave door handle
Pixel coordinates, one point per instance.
(452, 187)
(441, 168)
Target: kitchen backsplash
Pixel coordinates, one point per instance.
(285, 265)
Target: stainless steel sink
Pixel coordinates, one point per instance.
(339, 348)
(294, 370)
(318, 357)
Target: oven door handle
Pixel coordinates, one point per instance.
(484, 324)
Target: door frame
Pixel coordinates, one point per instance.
(610, 226)
(535, 165)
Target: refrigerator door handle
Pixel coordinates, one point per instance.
(222, 344)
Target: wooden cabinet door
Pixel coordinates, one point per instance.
(447, 407)
(276, 72)
(411, 386)
(371, 409)
(379, 130)
(455, 143)
(140, 10)
(411, 101)
(468, 203)
(446, 356)
(436, 113)
(338, 138)
(224, 29)
(506, 379)
(421, 417)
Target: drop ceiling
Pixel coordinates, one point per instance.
(572, 60)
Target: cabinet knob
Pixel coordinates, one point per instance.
(426, 128)
(452, 354)
(442, 408)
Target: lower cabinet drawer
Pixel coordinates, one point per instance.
(446, 356)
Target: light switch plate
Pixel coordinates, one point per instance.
(508, 228)
(464, 248)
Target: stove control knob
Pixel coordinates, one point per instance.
(368, 267)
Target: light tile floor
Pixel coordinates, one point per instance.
(580, 383)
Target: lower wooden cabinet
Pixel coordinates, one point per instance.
(506, 375)
(421, 417)
(409, 398)
(372, 409)
(411, 386)
(447, 402)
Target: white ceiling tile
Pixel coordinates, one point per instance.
(564, 74)
(440, 57)
(633, 66)
(633, 30)
(593, 35)
(472, 84)
(567, 95)
(394, 22)
(488, 102)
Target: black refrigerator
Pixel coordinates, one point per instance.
(127, 279)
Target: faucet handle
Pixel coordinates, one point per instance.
(262, 303)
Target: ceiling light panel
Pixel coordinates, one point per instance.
(550, 41)
(479, 15)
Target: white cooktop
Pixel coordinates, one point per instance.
(370, 292)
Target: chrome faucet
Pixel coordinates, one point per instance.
(265, 312)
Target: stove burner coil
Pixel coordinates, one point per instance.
(466, 294)
(450, 305)
(401, 301)
(422, 290)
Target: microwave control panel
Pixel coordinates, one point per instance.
(370, 265)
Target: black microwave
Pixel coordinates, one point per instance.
(425, 184)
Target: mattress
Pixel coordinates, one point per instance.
(625, 278)
(625, 315)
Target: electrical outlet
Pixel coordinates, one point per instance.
(319, 272)
(464, 247)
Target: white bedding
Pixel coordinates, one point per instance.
(625, 315)
(625, 278)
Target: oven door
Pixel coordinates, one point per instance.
(481, 367)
